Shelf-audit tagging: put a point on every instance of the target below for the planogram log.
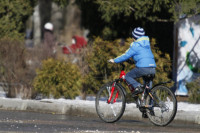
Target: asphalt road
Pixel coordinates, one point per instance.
(32, 122)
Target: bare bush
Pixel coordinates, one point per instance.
(13, 68)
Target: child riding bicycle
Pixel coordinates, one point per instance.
(158, 102)
(140, 52)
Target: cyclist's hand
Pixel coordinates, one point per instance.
(111, 61)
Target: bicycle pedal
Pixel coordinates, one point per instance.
(134, 95)
(148, 106)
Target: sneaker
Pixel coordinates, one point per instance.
(152, 113)
(137, 91)
(144, 114)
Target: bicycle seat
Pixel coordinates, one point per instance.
(148, 77)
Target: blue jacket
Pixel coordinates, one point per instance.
(141, 53)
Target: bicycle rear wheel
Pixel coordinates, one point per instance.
(162, 107)
(110, 108)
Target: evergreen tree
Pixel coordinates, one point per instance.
(153, 10)
(13, 15)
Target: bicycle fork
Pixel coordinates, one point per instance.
(111, 93)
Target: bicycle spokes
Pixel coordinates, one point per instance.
(164, 105)
(111, 109)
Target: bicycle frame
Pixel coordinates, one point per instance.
(122, 78)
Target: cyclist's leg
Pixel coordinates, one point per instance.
(131, 76)
(136, 73)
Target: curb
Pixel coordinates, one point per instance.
(83, 108)
(48, 107)
(191, 116)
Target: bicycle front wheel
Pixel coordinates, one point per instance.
(110, 103)
(162, 106)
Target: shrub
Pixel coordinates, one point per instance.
(13, 68)
(194, 91)
(100, 71)
(58, 78)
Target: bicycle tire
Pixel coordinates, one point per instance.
(113, 111)
(164, 105)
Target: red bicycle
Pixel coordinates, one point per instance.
(158, 103)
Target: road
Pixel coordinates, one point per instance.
(32, 122)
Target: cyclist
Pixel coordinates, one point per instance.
(140, 52)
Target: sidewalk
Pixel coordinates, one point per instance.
(186, 112)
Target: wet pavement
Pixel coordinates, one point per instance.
(32, 122)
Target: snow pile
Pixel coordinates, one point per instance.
(182, 106)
